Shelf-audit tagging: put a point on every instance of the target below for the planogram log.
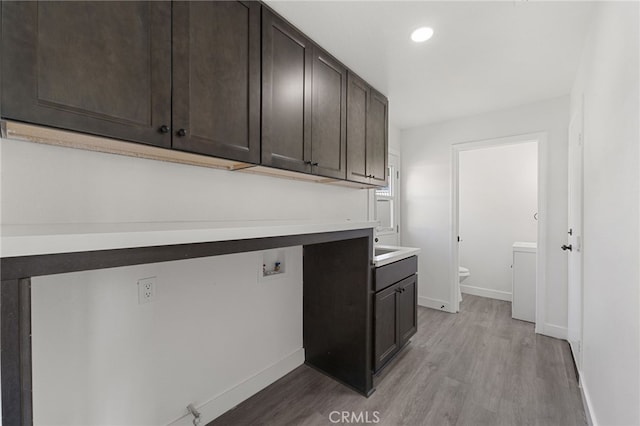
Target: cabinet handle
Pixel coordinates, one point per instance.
(164, 129)
(307, 162)
(181, 132)
(314, 164)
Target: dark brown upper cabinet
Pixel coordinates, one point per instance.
(216, 79)
(287, 56)
(329, 116)
(303, 103)
(96, 67)
(367, 133)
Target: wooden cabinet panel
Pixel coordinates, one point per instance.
(337, 310)
(94, 67)
(286, 95)
(328, 130)
(357, 107)
(216, 79)
(367, 133)
(396, 318)
(394, 272)
(407, 309)
(386, 341)
(377, 129)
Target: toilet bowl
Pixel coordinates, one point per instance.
(463, 274)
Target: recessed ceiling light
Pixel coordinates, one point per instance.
(422, 34)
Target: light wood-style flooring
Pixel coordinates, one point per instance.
(478, 367)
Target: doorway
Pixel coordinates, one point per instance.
(458, 150)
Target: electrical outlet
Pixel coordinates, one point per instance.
(146, 290)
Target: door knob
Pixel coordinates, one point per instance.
(164, 129)
(565, 247)
(182, 132)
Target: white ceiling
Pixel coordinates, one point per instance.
(484, 56)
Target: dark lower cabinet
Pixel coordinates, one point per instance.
(216, 79)
(407, 308)
(395, 314)
(96, 67)
(386, 339)
(367, 133)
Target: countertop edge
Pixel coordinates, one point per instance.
(43, 240)
(402, 253)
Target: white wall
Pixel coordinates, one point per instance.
(498, 198)
(426, 160)
(195, 348)
(48, 184)
(608, 80)
(101, 358)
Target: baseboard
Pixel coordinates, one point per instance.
(553, 330)
(437, 304)
(228, 399)
(485, 292)
(586, 402)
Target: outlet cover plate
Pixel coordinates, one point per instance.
(146, 290)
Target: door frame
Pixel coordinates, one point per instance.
(541, 139)
(575, 308)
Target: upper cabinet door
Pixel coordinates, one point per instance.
(367, 132)
(357, 109)
(377, 138)
(216, 79)
(329, 116)
(286, 95)
(96, 67)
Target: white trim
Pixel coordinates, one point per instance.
(541, 138)
(437, 304)
(486, 292)
(553, 330)
(228, 399)
(586, 403)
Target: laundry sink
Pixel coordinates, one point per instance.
(383, 255)
(379, 250)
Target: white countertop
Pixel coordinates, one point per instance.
(397, 253)
(28, 240)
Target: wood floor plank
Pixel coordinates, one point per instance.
(477, 367)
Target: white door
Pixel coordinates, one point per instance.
(387, 206)
(575, 237)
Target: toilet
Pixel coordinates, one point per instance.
(463, 273)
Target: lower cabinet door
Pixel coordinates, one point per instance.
(407, 308)
(386, 331)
